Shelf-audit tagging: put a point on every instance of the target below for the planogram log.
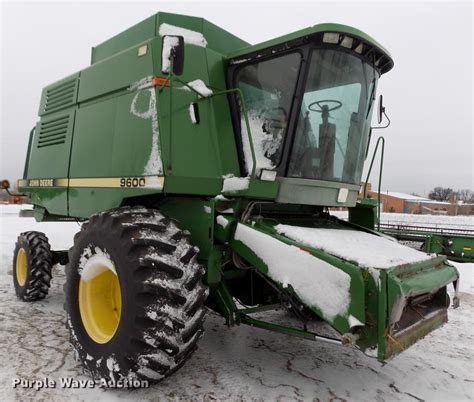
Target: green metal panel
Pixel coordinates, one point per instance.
(218, 38)
(93, 136)
(220, 121)
(115, 73)
(53, 199)
(132, 139)
(191, 215)
(86, 201)
(315, 192)
(193, 146)
(52, 142)
(192, 185)
(456, 248)
(364, 213)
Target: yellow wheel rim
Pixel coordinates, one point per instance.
(21, 267)
(100, 305)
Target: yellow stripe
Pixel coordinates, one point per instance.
(96, 182)
(61, 182)
(150, 182)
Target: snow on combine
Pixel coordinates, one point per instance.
(202, 168)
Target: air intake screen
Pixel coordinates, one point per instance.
(53, 132)
(59, 96)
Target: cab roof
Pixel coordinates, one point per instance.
(359, 40)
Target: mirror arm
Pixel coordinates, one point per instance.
(388, 122)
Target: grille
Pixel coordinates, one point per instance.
(60, 96)
(53, 132)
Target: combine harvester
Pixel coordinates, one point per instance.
(203, 169)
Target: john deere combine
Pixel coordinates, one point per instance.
(203, 169)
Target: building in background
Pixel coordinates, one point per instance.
(413, 204)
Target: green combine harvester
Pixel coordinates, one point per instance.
(203, 168)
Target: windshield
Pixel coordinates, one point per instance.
(334, 120)
(268, 89)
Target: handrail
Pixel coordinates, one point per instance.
(408, 228)
(379, 140)
(242, 106)
(30, 141)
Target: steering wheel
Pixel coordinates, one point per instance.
(321, 108)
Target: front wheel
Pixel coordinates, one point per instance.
(134, 295)
(32, 264)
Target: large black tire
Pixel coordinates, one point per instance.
(162, 295)
(32, 263)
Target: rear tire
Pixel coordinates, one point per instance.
(159, 302)
(32, 263)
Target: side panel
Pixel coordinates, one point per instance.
(49, 159)
(115, 73)
(221, 118)
(93, 135)
(114, 134)
(134, 136)
(91, 152)
(188, 150)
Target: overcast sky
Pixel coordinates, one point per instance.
(428, 94)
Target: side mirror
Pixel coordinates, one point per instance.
(5, 184)
(380, 114)
(381, 110)
(172, 55)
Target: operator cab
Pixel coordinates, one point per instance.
(309, 103)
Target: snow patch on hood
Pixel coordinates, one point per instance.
(368, 250)
(190, 37)
(317, 283)
(232, 184)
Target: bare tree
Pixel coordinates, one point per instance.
(465, 195)
(440, 194)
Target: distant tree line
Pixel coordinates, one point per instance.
(445, 193)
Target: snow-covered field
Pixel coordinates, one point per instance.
(459, 222)
(237, 363)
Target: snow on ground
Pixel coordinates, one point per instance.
(236, 363)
